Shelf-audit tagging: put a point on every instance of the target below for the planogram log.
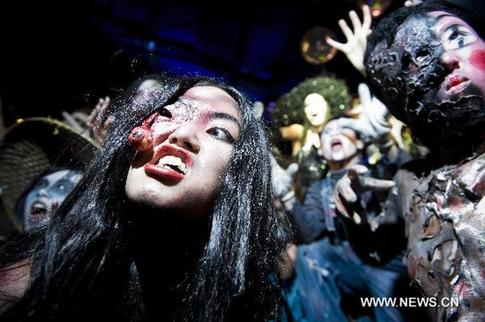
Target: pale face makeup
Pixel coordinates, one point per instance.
(46, 195)
(316, 109)
(339, 143)
(192, 144)
(433, 76)
(464, 55)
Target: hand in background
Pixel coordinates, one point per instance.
(349, 188)
(356, 43)
(283, 179)
(287, 261)
(98, 123)
(412, 3)
(372, 122)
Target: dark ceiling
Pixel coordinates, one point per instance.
(64, 55)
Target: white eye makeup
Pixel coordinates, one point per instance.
(180, 111)
(186, 109)
(185, 104)
(457, 36)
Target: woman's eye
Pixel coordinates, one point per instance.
(457, 37)
(65, 186)
(221, 134)
(165, 112)
(42, 183)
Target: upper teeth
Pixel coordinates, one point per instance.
(172, 160)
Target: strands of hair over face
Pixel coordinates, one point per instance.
(84, 266)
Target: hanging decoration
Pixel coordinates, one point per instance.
(314, 48)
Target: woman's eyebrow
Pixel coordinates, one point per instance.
(445, 27)
(454, 27)
(225, 116)
(444, 15)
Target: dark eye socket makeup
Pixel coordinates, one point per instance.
(457, 37)
(453, 32)
(165, 112)
(222, 134)
(224, 117)
(453, 23)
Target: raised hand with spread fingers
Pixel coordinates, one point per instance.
(356, 43)
(98, 123)
(372, 123)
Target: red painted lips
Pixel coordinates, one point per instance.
(169, 163)
(455, 80)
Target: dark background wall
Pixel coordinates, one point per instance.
(63, 55)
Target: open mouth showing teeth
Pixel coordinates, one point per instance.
(172, 162)
(38, 210)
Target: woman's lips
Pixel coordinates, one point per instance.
(163, 173)
(456, 83)
(39, 210)
(38, 205)
(335, 144)
(164, 167)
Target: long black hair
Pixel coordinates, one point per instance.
(84, 266)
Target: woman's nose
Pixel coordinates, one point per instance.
(450, 61)
(43, 193)
(185, 137)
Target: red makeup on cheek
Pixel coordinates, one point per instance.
(477, 59)
(141, 136)
(203, 118)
